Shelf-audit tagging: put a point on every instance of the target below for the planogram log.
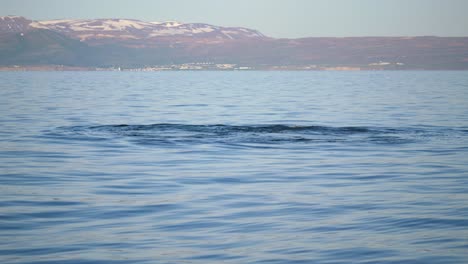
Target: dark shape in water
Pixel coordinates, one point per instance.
(163, 134)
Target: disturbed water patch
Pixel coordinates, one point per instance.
(167, 134)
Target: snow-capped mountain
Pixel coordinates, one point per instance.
(127, 29)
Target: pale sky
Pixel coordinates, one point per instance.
(275, 18)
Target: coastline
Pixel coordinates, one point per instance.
(185, 68)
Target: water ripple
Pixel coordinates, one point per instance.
(166, 134)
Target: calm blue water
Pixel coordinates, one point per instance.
(234, 167)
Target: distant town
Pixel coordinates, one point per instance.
(209, 66)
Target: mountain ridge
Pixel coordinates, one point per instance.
(117, 28)
(134, 43)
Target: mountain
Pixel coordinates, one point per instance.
(133, 43)
(92, 30)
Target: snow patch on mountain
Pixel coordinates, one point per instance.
(172, 23)
(9, 17)
(38, 25)
(169, 31)
(96, 24)
(202, 30)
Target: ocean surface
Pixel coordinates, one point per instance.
(233, 167)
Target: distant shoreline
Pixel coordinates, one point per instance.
(269, 68)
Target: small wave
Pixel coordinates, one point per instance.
(218, 129)
(236, 135)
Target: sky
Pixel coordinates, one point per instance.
(275, 18)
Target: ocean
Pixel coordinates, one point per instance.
(234, 167)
